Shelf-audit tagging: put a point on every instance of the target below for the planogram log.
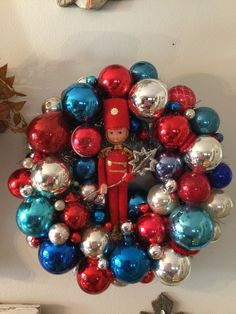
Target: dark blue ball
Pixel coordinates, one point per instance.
(98, 217)
(206, 121)
(81, 102)
(169, 166)
(135, 125)
(85, 169)
(173, 106)
(136, 198)
(58, 259)
(143, 70)
(129, 263)
(221, 176)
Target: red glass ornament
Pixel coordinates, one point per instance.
(48, 133)
(149, 277)
(72, 198)
(33, 242)
(194, 188)
(86, 141)
(151, 228)
(115, 81)
(144, 207)
(180, 250)
(17, 180)
(37, 157)
(75, 238)
(92, 279)
(75, 216)
(182, 95)
(172, 131)
(108, 226)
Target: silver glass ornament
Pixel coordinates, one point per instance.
(89, 192)
(26, 190)
(170, 185)
(219, 204)
(51, 177)
(217, 232)
(94, 242)
(155, 251)
(127, 228)
(161, 201)
(147, 99)
(102, 263)
(28, 163)
(189, 114)
(205, 154)
(59, 205)
(51, 104)
(59, 233)
(172, 267)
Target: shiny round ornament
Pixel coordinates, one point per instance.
(191, 227)
(17, 180)
(94, 242)
(86, 141)
(147, 99)
(127, 228)
(170, 186)
(189, 114)
(51, 177)
(204, 155)
(89, 192)
(81, 102)
(75, 216)
(221, 176)
(161, 201)
(218, 205)
(49, 133)
(92, 279)
(115, 81)
(172, 268)
(151, 228)
(58, 259)
(143, 70)
(35, 216)
(59, 205)
(85, 169)
(91, 80)
(26, 190)
(169, 166)
(182, 95)
(33, 242)
(193, 188)
(98, 217)
(206, 121)
(217, 232)
(28, 163)
(172, 130)
(59, 233)
(102, 263)
(51, 104)
(129, 263)
(155, 251)
(135, 125)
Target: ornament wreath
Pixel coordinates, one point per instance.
(77, 208)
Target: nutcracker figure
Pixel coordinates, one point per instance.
(114, 170)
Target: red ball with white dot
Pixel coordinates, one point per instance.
(182, 95)
(18, 180)
(86, 141)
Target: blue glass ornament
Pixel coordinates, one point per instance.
(85, 169)
(35, 216)
(191, 227)
(91, 80)
(129, 263)
(98, 217)
(221, 176)
(173, 106)
(81, 102)
(135, 125)
(205, 121)
(169, 166)
(58, 259)
(143, 70)
(136, 198)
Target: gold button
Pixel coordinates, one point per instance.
(109, 163)
(114, 111)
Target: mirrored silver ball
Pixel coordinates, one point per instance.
(59, 233)
(94, 242)
(161, 201)
(28, 163)
(189, 114)
(26, 190)
(89, 192)
(51, 104)
(102, 263)
(172, 267)
(127, 228)
(155, 251)
(59, 205)
(170, 185)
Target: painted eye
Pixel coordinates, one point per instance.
(120, 132)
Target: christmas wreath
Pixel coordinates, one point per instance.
(77, 207)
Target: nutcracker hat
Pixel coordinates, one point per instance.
(116, 114)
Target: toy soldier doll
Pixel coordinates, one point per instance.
(114, 172)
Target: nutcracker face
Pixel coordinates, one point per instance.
(117, 136)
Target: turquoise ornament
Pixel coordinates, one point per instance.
(35, 216)
(206, 121)
(143, 70)
(191, 227)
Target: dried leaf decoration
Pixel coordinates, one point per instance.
(162, 305)
(10, 115)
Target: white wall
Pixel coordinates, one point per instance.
(47, 47)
